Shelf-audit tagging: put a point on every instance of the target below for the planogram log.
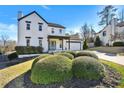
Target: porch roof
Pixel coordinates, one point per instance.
(58, 37)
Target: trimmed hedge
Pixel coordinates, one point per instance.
(28, 50)
(70, 56)
(87, 68)
(86, 53)
(12, 56)
(39, 58)
(52, 69)
(71, 52)
(118, 44)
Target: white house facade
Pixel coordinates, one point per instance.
(33, 30)
(108, 34)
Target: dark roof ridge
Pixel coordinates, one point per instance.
(49, 23)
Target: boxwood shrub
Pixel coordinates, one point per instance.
(28, 50)
(12, 56)
(72, 52)
(86, 53)
(52, 69)
(70, 56)
(39, 58)
(118, 44)
(87, 68)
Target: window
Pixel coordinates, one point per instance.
(52, 30)
(60, 31)
(40, 27)
(40, 42)
(28, 26)
(104, 33)
(27, 42)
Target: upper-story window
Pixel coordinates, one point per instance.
(28, 23)
(40, 26)
(104, 33)
(52, 30)
(60, 31)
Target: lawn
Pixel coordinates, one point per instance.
(8, 74)
(113, 50)
(119, 68)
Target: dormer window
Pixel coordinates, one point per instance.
(104, 33)
(60, 31)
(40, 26)
(52, 30)
(28, 25)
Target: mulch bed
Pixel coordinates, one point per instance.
(111, 80)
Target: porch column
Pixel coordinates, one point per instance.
(69, 44)
(48, 44)
(62, 44)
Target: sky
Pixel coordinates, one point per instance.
(70, 16)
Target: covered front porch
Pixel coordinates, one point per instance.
(58, 43)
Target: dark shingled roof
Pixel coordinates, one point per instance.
(55, 25)
(49, 24)
(75, 37)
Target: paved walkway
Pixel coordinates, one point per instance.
(110, 57)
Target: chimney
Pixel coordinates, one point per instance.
(20, 14)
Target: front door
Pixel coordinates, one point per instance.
(52, 45)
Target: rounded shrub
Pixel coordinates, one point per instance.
(70, 56)
(72, 52)
(39, 58)
(86, 53)
(87, 68)
(12, 56)
(52, 69)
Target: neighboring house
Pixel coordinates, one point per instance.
(33, 30)
(111, 32)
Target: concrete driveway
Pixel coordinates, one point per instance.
(110, 57)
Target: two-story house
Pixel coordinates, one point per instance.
(33, 30)
(113, 32)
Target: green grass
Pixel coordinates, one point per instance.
(113, 50)
(119, 68)
(10, 73)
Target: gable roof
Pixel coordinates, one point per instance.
(31, 14)
(102, 30)
(49, 24)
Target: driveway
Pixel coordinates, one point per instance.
(110, 57)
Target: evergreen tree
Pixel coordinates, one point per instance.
(97, 41)
(85, 46)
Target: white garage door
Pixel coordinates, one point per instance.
(75, 46)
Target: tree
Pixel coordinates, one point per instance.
(107, 14)
(4, 39)
(121, 16)
(85, 46)
(97, 41)
(85, 32)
